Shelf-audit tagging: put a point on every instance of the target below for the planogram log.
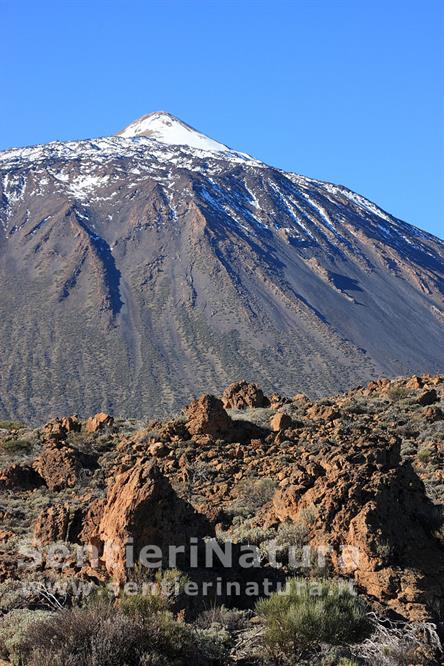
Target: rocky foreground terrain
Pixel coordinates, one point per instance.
(358, 477)
(142, 269)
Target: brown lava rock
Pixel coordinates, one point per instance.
(59, 465)
(141, 506)
(242, 395)
(57, 523)
(207, 416)
(19, 477)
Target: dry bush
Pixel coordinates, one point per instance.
(101, 634)
(252, 494)
(399, 644)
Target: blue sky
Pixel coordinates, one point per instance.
(348, 91)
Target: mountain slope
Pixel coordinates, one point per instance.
(134, 270)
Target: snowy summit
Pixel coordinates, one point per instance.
(166, 128)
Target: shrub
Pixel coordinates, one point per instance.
(397, 393)
(231, 619)
(160, 591)
(100, 634)
(11, 425)
(259, 416)
(310, 612)
(290, 538)
(245, 533)
(252, 494)
(16, 445)
(292, 534)
(143, 605)
(397, 643)
(423, 455)
(13, 629)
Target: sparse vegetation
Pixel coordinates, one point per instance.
(274, 490)
(17, 446)
(423, 455)
(11, 425)
(100, 634)
(397, 393)
(252, 494)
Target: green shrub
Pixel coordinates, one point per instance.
(16, 445)
(159, 591)
(397, 393)
(143, 605)
(292, 534)
(310, 612)
(423, 455)
(243, 532)
(291, 537)
(11, 425)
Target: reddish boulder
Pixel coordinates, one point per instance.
(71, 423)
(54, 430)
(366, 505)
(58, 428)
(242, 395)
(58, 465)
(57, 523)
(324, 412)
(415, 383)
(89, 533)
(277, 401)
(99, 422)
(301, 399)
(207, 416)
(158, 450)
(433, 413)
(280, 421)
(142, 508)
(19, 477)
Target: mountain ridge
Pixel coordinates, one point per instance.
(133, 268)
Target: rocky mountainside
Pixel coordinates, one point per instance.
(358, 477)
(140, 269)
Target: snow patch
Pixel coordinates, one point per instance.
(165, 128)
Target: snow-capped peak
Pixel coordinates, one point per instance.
(166, 128)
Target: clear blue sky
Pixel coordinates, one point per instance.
(349, 91)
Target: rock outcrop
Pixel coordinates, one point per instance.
(372, 511)
(99, 422)
(280, 421)
(58, 428)
(242, 395)
(142, 509)
(59, 465)
(19, 477)
(359, 473)
(57, 523)
(207, 416)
